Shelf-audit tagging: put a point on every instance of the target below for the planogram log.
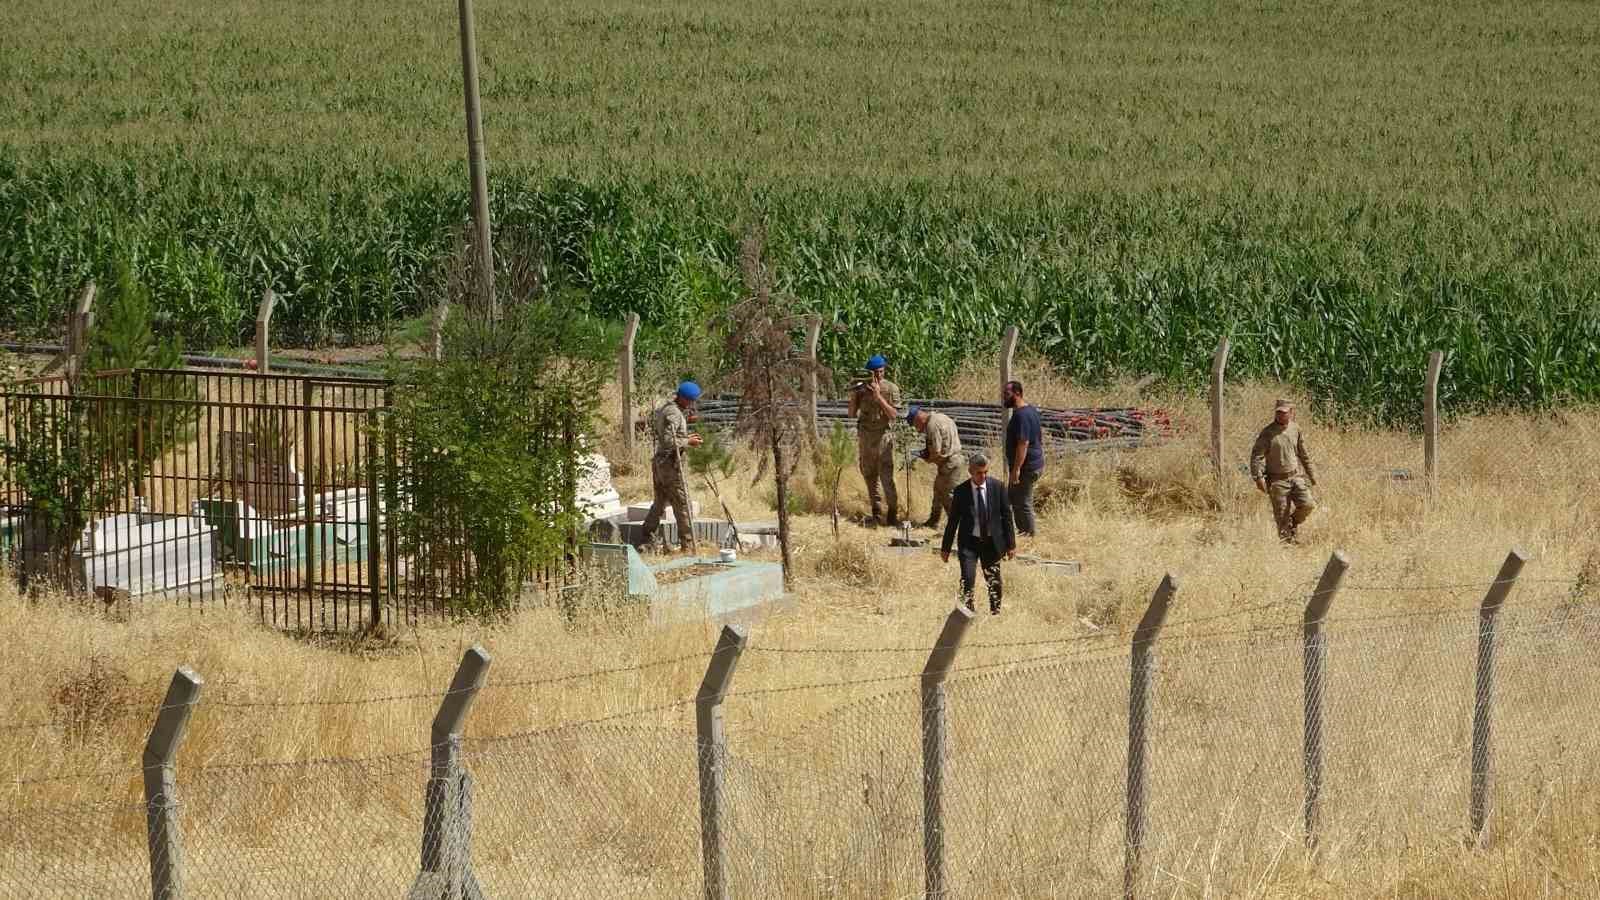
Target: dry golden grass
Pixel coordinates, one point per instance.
(825, 787)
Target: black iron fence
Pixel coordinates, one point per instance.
(274, 491)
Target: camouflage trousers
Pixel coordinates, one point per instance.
(875, 456)
(1291, 505)
(944, 485)
(668, 490)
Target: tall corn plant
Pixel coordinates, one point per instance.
(772, 378)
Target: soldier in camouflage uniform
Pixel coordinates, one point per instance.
(1280, 465)
(671, 430)
(875, 405)
(942, 450)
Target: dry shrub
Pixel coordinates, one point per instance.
(849, 562)
(1168, 482)
(85, 703)
(1061, 485)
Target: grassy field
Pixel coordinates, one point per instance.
(1340, 189)
(822, 723)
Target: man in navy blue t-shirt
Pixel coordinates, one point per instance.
(1024, 455)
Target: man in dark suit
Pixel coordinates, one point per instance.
(982, 526)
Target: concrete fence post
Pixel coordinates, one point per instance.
(263, 329)
(1430, 420)
(1483, 709)
(1316, 656)
(441, 315)
(160, 785)
(711, 751)
(1141, 668)
(1219, 368)
(935, 746)
(80, 318)
(83, 322)
(1008, 351)
(813, 336)
(447, 821)
(630, 329)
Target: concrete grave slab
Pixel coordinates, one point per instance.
(722, 591)
(142, 553)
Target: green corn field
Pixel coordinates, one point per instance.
(1339, 190)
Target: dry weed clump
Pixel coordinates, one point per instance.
(85, 703)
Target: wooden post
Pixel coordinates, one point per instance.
(1219, 366)
(1430, 420)
(630, 329)
(308, 478)
(711, 751)
(1483, 709)
(484, 248)
(935, 746)
(263, 329)
(160, 785)
(447, 819)
(813, 336)
(1008, 349)
(1139, 690)
(374, 557)
(1316, 656)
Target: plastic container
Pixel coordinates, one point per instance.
(728, 554)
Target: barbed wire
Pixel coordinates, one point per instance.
(618, 670)
(310, 762)
(564, 726)
(75, 776)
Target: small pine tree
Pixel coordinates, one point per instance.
(832, 459)
(123, 336)
(75, 458)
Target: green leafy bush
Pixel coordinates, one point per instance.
(490, 440)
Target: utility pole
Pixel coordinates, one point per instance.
(484, 250)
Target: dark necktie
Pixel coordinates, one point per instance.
(983, 514)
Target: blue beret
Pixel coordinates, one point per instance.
(911, 414)
(877, 362)
(689, 390)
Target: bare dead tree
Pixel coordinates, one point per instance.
(772, 377)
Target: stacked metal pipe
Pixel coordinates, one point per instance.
(1077, 428)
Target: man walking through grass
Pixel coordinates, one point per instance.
(982, 528)
(875, 405)
(1280, 465)
(671, 430)
(942, 450)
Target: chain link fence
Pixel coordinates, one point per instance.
(1274, 743)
